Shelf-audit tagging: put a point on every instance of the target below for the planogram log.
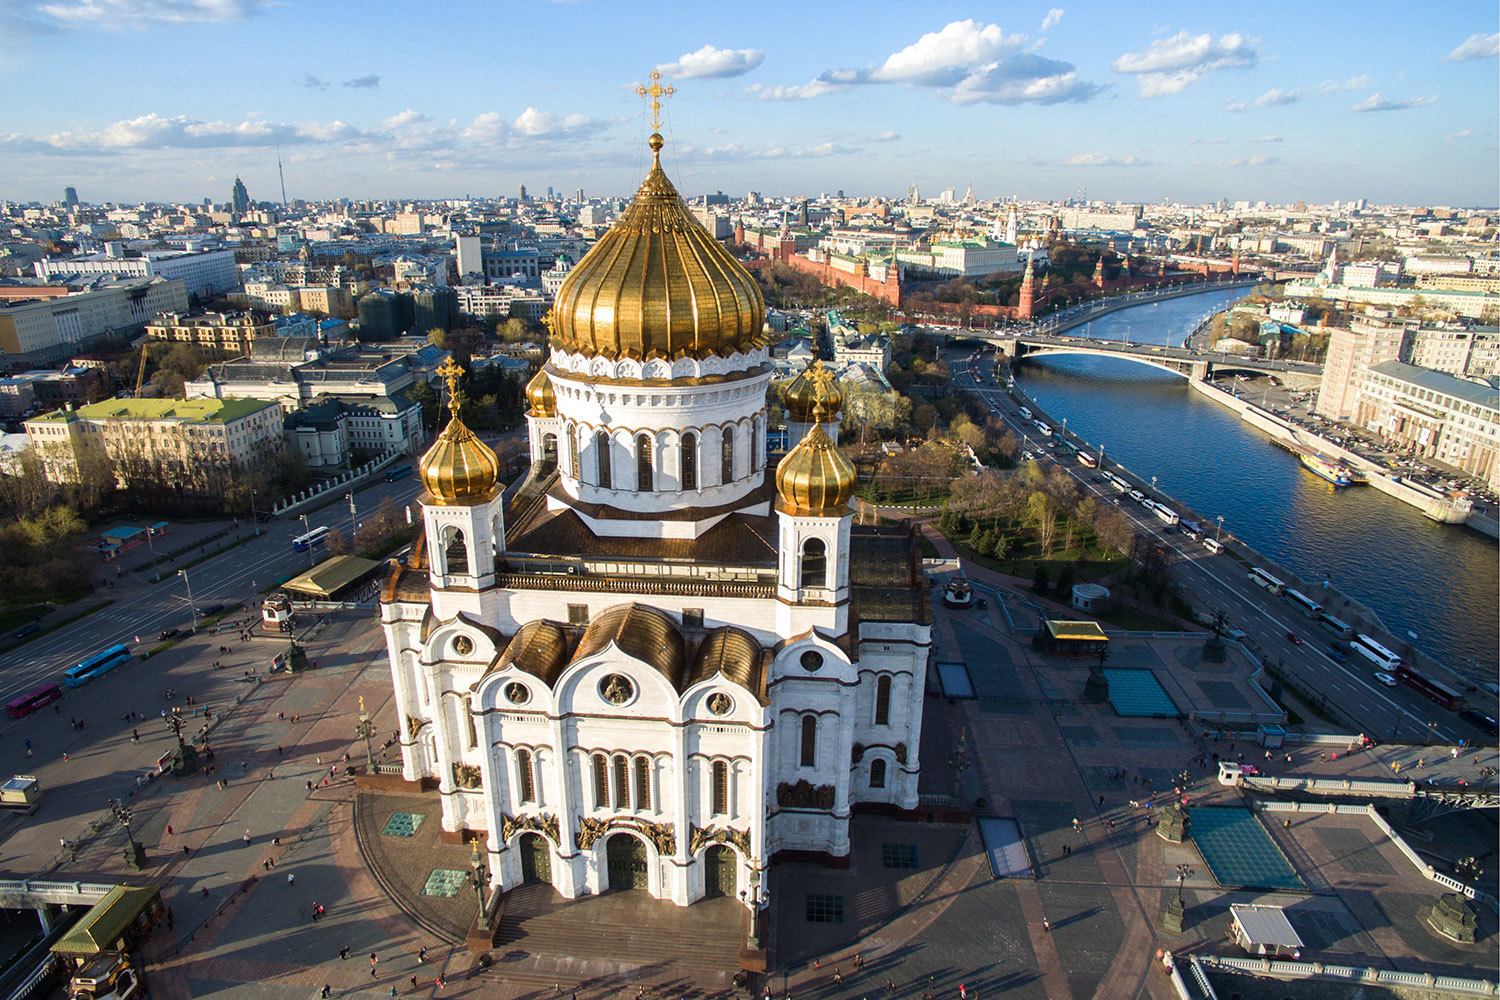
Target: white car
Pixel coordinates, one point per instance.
(1386, 679)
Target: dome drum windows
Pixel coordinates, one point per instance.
(688, 461)
(644, 480)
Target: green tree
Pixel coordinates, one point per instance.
(1002, 546)
(1040, 581)
(422, 393)
(1065, 580)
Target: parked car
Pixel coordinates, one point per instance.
(168, 633)
(209, 609)
(1385, 679)
(27, 629)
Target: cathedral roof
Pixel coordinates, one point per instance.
(807, 392)
(640, 631)
(734, 653)
(541, 395)
(540, 648)
(459, 468)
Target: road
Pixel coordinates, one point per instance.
(1218, 582)
(142, 610)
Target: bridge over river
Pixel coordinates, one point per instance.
(1189, 363)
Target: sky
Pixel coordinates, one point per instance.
(169, 100)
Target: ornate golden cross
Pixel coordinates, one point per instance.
(549, 320)
(450, 371)
(656, 92)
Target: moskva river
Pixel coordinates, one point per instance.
(1438, 582)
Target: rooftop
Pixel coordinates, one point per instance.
(185, 410)
(1442, 382)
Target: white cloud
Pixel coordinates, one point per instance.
(1207, 142)
(939, 58)
(888, 136)
(1276, 96)
(538, 124)
(1460, 134)
(1234, 107)
(1267, 138)
(735, 152)
(1258, 160)
(1170, 65)
(797, 92)
(1053, 16)
(1379, 102)
(711, 63)
(312, 82)
(1475, 47)
(403, 119)
(1025, 79)
(143, 13)
(368, 82)
(1099, 160)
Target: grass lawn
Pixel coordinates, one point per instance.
(13, 618)
(1025, 554)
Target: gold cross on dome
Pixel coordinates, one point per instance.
(450, 371)
(549, 320)
(656, 92)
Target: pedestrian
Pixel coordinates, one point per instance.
(442, 980)
(1046, 925)
(838, 977)
(373, 960)
(422, 958)
(266, 864)
(291, 879)
(327, 992)
(1101, 800)
(315, 912)
(169, 829)
(66, 758)
(413, 982)
(393, 990)
(309, 786)
(344, 953)
(246, 837)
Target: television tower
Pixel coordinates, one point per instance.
(282, 174)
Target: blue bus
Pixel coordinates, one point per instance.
(315, 537)
(399, 472)
(96, 666)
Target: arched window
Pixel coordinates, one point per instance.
(603, 457)
(601, 782)
(549, 448)
(757, 449)
(643, 481)
(689, 461)
(643, 784)
(720, 788)
(575, 447)
(497, 538)
(726, 456)
(883, 702)
(809, 741)
(456, 553)
(814, 563)
(622, 782)
(877, 773)
(525, 777)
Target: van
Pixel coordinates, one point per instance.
(1025, 413)
(1212, 545)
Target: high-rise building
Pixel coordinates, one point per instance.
(70, 196)
(470, 256)
(522, 195)
(239, 198)
(1367, 342)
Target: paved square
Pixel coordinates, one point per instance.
(1238, 850)
(1138, 693)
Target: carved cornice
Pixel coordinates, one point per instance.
(700, 837)
(662, 836)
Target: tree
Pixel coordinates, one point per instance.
(437, 337)
(1039, 579)
(338, 542)
(421, 393)
(1001, 547)
(1065, 580)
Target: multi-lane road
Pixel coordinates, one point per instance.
(141, 611)
(1219, 583)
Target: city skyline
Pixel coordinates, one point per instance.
(1044, 102)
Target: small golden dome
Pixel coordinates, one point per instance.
(809, 391)
(815, 478)
(541, 395)
(459, 468)
(657, 285)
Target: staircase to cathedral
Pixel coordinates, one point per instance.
(545, 940)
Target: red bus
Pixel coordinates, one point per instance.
(1436, 690)
(19, 708)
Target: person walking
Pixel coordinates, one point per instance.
(422, 958)
(246, 837)
(327, 992)
(344, 953)
(291, 879)
(413, 982)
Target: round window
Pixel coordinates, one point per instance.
(720, 703)
(616, 689)
(812, 660)
(516, 693)
(463, 645)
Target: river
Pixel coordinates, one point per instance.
(1438, 582)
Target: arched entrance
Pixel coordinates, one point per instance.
(626, 858)
(720, 872)
(536, 858)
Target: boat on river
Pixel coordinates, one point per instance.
(1336, 473)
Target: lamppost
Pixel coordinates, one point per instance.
(757, 897)
(1153, 484)
(1468, 869)
(152, 546)
(960, 761)
(1184, 872)
(191, 606)
(481, 876)
(364, 730)
(1431, 730)
(1220, 530)
(1171, 919)
(254, 520)
(134, 853)
(353, 528)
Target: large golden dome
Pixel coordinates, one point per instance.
(808, 392)
(541, 395)
(657, 285)
(815, 478)
(458, 468)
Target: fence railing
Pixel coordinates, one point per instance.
(1320, 970)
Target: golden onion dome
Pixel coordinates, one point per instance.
(657, 285)
(815, 478)
(541, 395)
(809, 391)
(458, 468)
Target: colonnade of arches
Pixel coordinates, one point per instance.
(648, 461)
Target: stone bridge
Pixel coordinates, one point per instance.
(1200, 365)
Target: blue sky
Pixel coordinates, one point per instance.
(170, 99)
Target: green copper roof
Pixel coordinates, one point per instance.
(187, 410)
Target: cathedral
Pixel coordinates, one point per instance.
(659, 662)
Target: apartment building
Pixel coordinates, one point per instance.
(1367, 342)
(36, 331)
(1434, 415)
(233, 332)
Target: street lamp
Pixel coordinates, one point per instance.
(1153, 484)
(1184, 872)
(1219, 533)
(191, 606)
(364, 730)
(481, 876)
(135, 853)
(756, 899)
(960, 761)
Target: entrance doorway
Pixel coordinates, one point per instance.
(626, 857)
(536, 858)
(720, 873)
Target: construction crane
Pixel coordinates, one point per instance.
(140, 375)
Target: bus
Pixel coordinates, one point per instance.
(312, 539)
(1166, 513)
(1042, 428)
(399, 472)
(1118, 483)
(1436, 690)
(1086, 460)
(1025, 413)
(19, 708)
(97, 665)
(1336, 625)
(1261, 578)
(1375, 652)
(1309, 607)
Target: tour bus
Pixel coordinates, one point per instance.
(1042, 428)
(313, 538)
(1086, 460)
(1025, 413)
(97, 665)
(1167, 514)
(1337, 626)
(1261, 578)
(1375, 652)
(1118, 483)
(1309, 607)
(399, 472)
(1212, 545)
(19, 708)
(1192, 529)
(1434, 689)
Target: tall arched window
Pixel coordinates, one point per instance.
(643, 784)
(726, 456)
(883, 702)
(720, 789)
(601, 782)
(525, 777)
(809, 741)
(877, 773)
(622, 782)
(602, 457)
(575, 448)
(689, 461)
(757, 448)
(456, 553)
(643, 480)
(469, 725)
(814, 563)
